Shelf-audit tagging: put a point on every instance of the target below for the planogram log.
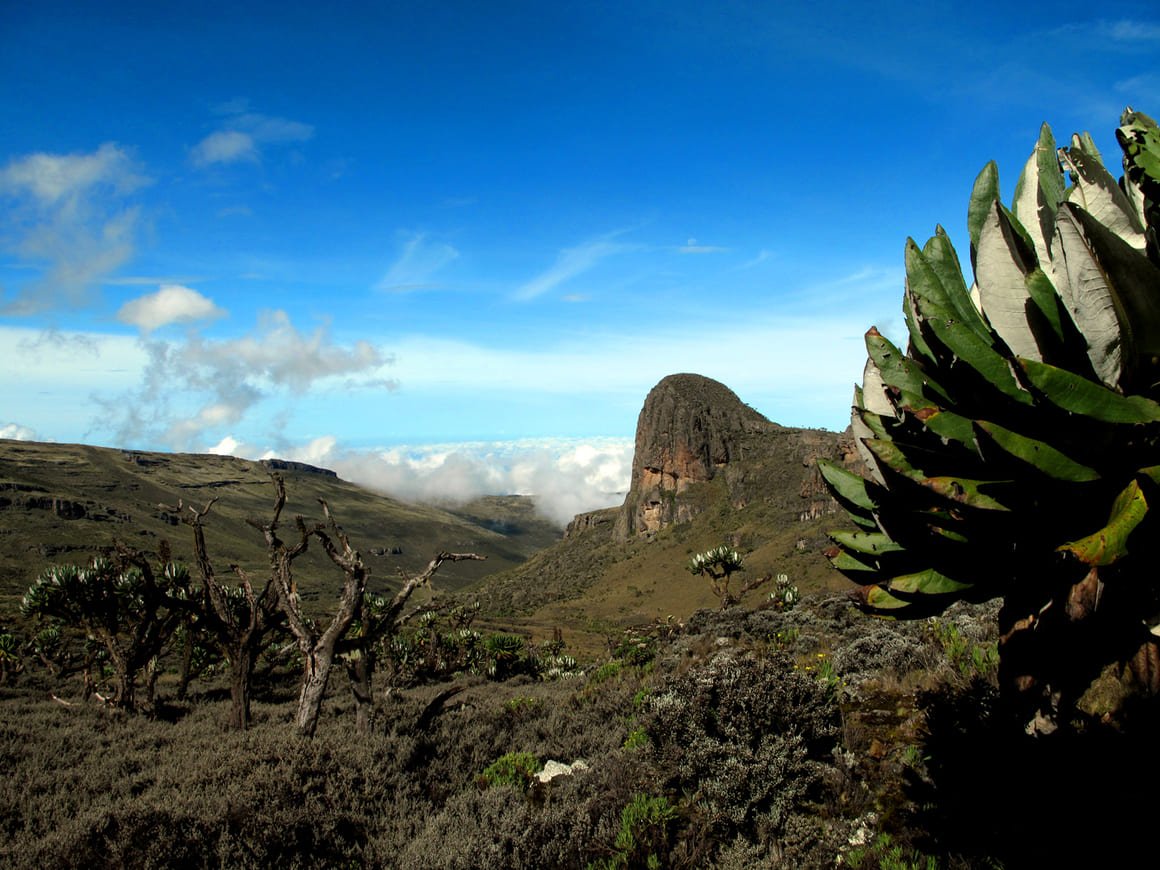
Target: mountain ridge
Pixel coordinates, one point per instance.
(64, 502)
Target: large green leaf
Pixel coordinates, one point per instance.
(870, 543)
(950, 427)
(849, 563)
(1139, 139)
(1089, 299)
(898, 458)
(928, 582)
(924, 282)
(984, 192)
(1110, 543)
(980, 355)
(1097, 193)
(1077, 394)
(850, 491)
(1038, 454)
(919, 418)
(947, 425)
(1133, 282)
(1054, 333)
(878, 600)
(918, 348)
(1002, 264)
(898, 370)
(858, 427)
(1038, 194)
(936, 269)
(941, 255)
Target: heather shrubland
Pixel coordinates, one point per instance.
(792, 737)
(807, 737)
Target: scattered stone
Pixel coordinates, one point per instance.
(552, 769)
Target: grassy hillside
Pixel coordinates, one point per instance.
(591, 585)
(61, 503)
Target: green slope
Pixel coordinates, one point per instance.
(770, 506)
(61, 503)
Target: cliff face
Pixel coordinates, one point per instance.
(696, 442)
(689, 428)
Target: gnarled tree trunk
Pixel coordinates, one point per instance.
(241, 673)
(375, 628)
(240, 629)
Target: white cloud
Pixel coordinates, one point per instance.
(197, 387)
(225, 146)
(570, 263)
(243, 134)
(16, 432)
(419, 260)
(565, 476)
(68, 220)
(172, 303)
(53, 178)
(320, 451)
(228, 446)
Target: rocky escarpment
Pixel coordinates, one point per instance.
(698, 444)
(689, 429)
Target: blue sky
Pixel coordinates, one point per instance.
(386, 236)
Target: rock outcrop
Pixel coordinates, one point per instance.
(697, 444)
(689, 428)
(581, 523)
(708, 469)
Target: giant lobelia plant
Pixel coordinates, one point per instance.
(1013, 449)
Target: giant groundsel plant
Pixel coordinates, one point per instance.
(1013, 449)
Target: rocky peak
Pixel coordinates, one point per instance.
(689, 429)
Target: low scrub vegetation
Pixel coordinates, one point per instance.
(809, 737)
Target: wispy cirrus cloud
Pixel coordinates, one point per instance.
(572, 262)
(243, 134)
(1141, 85)
(418, 261)
(70, 220)
(1127, 30)
(692, 247)
(1107, 35)
(761, 256)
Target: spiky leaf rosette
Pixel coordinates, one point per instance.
(1014, 447)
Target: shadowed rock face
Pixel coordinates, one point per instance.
(689, 429)
(699, 447)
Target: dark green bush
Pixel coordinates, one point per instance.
(514, 769)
